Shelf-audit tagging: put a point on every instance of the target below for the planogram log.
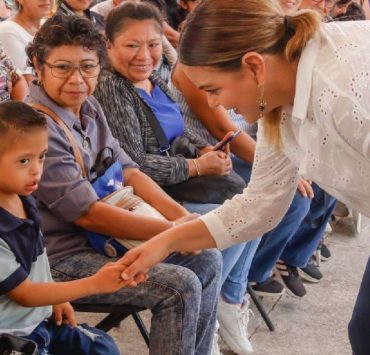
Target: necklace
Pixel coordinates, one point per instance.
(85, 139)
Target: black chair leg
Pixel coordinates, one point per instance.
(112, 320)
(141, 327)
(260, 308)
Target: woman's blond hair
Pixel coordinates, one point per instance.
(220, 32)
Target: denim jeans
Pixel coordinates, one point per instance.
(294, 240)
(307, 238)
(81, 340)
(236, 261)
(359, 326)
(181, 293)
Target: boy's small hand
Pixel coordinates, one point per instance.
(64, 314)
(108, 278)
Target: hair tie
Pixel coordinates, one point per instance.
(288, 24)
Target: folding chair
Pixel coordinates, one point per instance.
(260, 308)
(117, 313)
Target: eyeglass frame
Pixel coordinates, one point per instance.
(72, 70)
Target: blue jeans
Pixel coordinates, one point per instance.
(236, 261)
(295, 239)
(81, 340)
(182, 294)
(359, 326)
(306, 240)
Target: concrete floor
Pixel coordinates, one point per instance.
(314, 325)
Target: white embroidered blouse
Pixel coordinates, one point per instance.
(326, 138)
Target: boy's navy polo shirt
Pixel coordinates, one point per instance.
(22, 255)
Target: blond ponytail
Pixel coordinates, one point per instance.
(305, 24)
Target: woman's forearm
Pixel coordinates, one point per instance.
(188, 237)
(151, 192)
(116, 222)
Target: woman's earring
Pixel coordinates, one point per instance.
(261, 100)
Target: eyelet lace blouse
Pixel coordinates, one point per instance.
(325, 136)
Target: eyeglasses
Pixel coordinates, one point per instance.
(64, 70)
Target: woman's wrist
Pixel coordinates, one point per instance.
(194, 167)
(197, 166)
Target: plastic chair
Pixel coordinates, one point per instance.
(116, 314)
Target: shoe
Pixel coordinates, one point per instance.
(233, 321)
(322, 253)
(289, 277)
(215, 346)
(268, 288)
(325, 252)
(311, 272)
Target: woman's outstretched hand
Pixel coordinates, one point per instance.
(139, 260)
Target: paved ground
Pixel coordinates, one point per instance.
(314, 325)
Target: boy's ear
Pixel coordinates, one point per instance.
(254, 63)
(109, 45)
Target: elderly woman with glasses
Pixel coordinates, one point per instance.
(67, 54)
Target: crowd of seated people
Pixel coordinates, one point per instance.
(104, 67)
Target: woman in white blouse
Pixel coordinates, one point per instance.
(307, 84)
(18, 30)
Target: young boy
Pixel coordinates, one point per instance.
(27, 290)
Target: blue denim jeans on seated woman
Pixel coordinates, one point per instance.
(182, 294)
(81, 340)
(310, 232)
(236, 261)
(295, 238)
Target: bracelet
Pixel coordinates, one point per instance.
(196, 166)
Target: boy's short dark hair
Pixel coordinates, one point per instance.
(18, 116)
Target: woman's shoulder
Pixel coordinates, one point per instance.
(157, 80)
(9, 26)
(112, 85)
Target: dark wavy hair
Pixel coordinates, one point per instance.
(62, 30)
